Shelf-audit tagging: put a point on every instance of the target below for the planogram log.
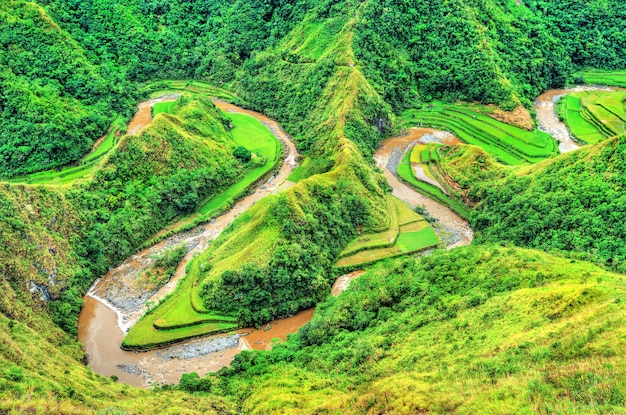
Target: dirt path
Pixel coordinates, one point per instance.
(548, 119)
(117, 300)
(387, 158)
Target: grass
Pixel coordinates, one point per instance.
(593, 116)
(615, 78)
(509, 144)
(252, 134)
(405, 173)
(525, 332)
(163, 108)
(408, 233)
(380, 239)
(176, 320)
(416, 241)
(256, 137)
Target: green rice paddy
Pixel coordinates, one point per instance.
(508, 144)
(253, 135)
(593, 116)
(615, 78)
(163, 108)
(408, 233)
(405, 173)
(174, 320)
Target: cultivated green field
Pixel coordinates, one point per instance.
(593, 116)
(157, 88)
(509, 144)
(408, 233)
(176, 320)
(253, 135)
(405, 173)
(615, 78)
(163, 108)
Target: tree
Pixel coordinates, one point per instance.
(242, 154)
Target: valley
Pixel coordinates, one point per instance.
(309, 207)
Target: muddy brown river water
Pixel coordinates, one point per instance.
(388, 155)
(116, 301)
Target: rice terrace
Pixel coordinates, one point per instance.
(312, 207)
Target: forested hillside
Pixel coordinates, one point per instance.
(574, 203)
(55, 100)
(335, 74)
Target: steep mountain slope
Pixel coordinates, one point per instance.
(475, 330)
(332, 72)
(55, 102)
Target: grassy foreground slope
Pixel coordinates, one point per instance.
(42, 372)
(476, 330)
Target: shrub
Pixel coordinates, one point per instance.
(242, 154)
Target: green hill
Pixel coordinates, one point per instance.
(522, 332)
(479, 329)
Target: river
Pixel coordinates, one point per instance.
(115, 301)
(545, 106)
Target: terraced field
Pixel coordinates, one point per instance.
(408, 232)
(508, 144)
(406, 174)
(616, 78)
(193, 87)
(593, 116)
(176, 320)
(163, 108)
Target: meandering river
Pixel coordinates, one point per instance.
(115, 301)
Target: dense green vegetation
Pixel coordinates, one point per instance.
(56, 101)
(505, 46)
(593, 116)
(524, 331)
(573, 203)
(588, 30)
